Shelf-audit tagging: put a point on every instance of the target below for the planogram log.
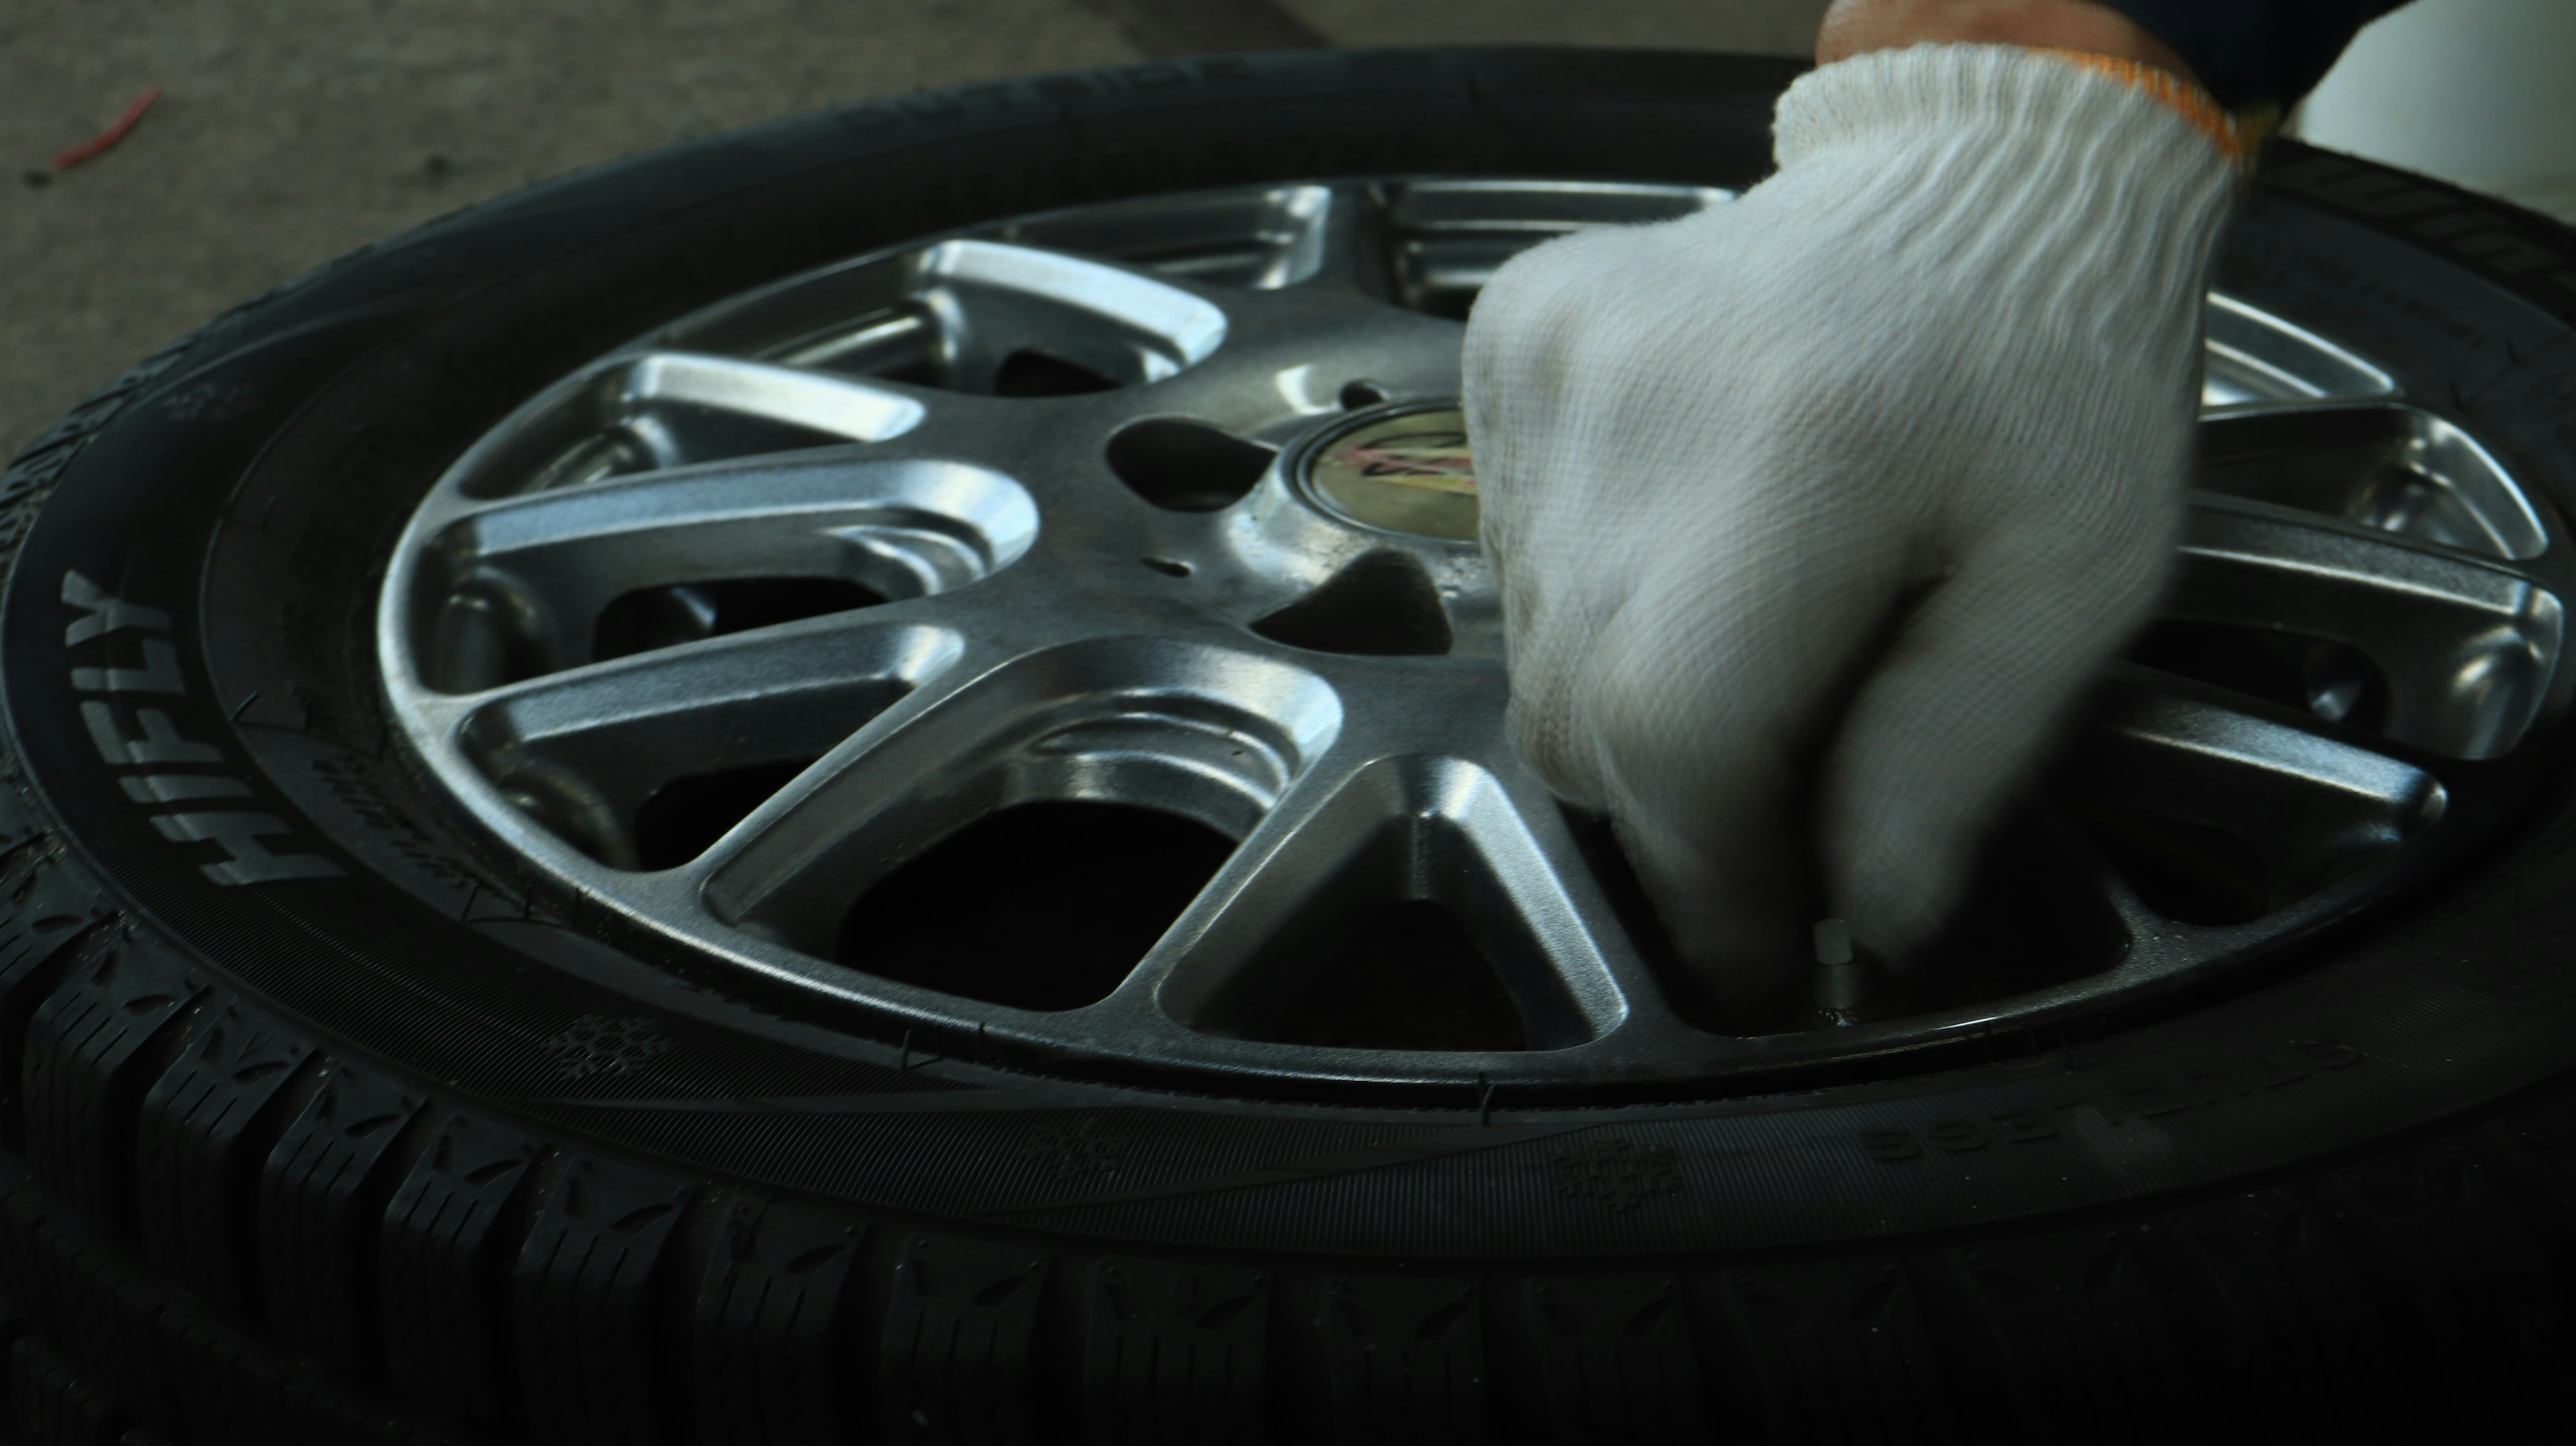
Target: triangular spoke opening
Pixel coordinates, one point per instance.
(1045, 906)
(1413, 943)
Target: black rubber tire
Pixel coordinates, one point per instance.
(414, 1153)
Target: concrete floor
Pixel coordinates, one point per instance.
(290, 131)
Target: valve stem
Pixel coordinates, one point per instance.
(1841, 981)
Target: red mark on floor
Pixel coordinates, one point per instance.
(111, 135)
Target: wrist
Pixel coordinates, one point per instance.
(2089, 36)
(1857, 27)
(2013, 130)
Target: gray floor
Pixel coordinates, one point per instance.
(293, 130)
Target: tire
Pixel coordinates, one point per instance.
(326, 1127)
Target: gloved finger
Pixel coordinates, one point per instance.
(1960, 709)
(1537, 351)
(1708, 699)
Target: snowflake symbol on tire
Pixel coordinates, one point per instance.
(1076, 1149)
(597, 1044)
(211, 402)
(1616, 1172)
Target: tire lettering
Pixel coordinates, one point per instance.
(2215, 1086)
(160, 742)
(2200, 1089)
(247, 858)
(180, 787)
(2020, 1127)
(2272, 1074)
(2154, 1099)
(103, 614)
(159, 673)
(1889, 1146)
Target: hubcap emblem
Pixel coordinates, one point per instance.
(1405, 473)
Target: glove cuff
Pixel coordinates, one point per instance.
(2050, 195)
(2239, 135)
(2007, 92)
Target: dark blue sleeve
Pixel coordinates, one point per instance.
(2249, 52)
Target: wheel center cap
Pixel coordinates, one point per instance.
(1409, 472)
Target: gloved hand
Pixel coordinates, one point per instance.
(1813, 512)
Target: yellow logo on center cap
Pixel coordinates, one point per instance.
(1411, 473)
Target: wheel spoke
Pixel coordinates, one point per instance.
(800, 665)
(1317, 350)
(1447, 238)
(729, 515)
(997, 303)
(1259, 239)
(975, 316)
(2309, 808)
(834, 406)
(585, 750)
(1203, 732)
(2257, 360)
(2465, 649)
(536, 578)
(2393, 469)
(2075, 861)
(646, 411)
(1349, 841)
(1355, 245)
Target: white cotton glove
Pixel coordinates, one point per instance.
(1813, 512)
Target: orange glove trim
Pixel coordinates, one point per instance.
(2239, 137)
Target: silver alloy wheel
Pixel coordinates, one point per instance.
(1081, 470)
